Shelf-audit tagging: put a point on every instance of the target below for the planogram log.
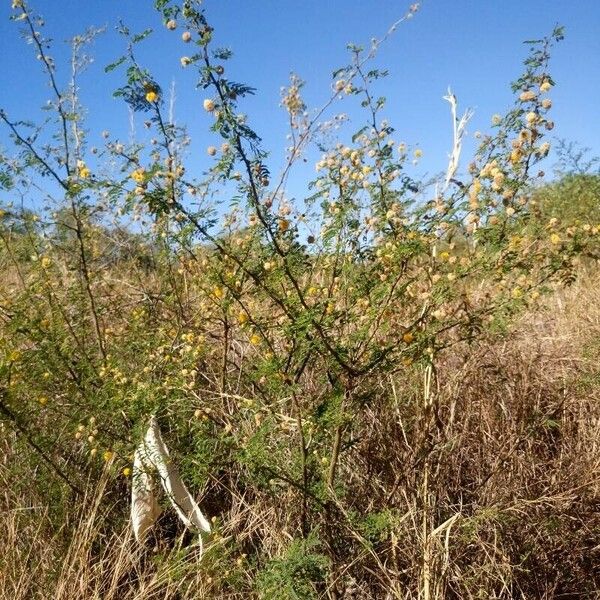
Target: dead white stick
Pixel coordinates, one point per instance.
(458, 132)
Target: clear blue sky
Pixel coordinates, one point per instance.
(473, 45)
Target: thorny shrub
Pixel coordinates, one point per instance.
(265, 333)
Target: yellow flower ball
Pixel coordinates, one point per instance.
(531, 117)
(408, 338)
(108, 455)
(255, 339)
(546, 86)
(126, 471)
(544, 149)
(555, 238)
(218, 292)
(138, 175)
(527, 96)
(151, 96)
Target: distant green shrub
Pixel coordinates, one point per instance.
(575, 198)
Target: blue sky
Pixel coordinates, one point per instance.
(475, 46)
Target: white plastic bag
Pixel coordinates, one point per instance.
(152, 461)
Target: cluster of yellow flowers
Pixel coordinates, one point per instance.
(82, 170)
(361, 166)
(91, 438)
(139, 175)
(114, 373)
(347, 165)
(492, 170)
(341, 85)
(292, 99)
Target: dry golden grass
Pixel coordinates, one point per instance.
(511, 446)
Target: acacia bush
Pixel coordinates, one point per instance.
(333, 374)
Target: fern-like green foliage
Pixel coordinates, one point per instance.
(297, 575)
